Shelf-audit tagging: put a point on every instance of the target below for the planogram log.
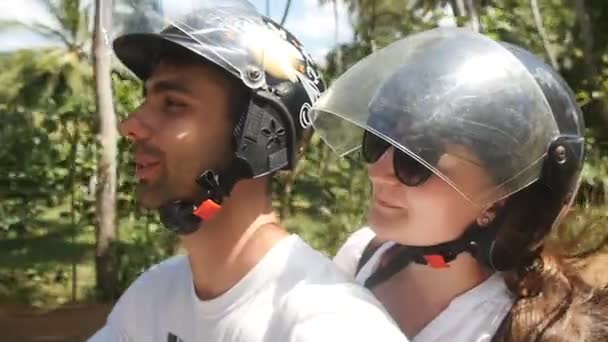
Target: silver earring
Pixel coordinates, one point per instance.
(485, 221)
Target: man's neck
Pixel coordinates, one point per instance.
(228, 246)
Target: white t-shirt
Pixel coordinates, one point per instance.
(473, 316)
(293, 294)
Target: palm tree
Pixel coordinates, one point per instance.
(63, 75)
(62, 68)
(56, 81)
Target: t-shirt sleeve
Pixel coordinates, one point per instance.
(349, 254)
(109, 333)
(337, 312)
(124, 316)
(117, 323)
(347, 327)
(133, 317)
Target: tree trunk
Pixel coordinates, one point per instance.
(474, 21)
(538, 21)
(286, 12)
(74, 155)
(458, 8)
(598, 106)
(338, 55)
(106, 188)
(372, 30)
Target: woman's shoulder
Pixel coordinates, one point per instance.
(347, 257)
(473, 315)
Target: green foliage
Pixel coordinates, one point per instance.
(584, 231)
(48, 169)
(324, 205)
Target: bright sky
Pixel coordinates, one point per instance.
(311, 23)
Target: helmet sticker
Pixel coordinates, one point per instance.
(305, 120)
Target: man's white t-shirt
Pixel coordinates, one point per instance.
(473, 316)
(293, 294)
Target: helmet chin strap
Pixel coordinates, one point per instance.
(477, 241)
(185, 217)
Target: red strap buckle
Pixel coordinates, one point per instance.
(207, 210)
(436, 261)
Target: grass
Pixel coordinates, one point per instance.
(38, 268)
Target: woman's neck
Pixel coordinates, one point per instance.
(418, 294)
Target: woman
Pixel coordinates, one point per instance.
(475, 150)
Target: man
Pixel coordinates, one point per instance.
(227, 94)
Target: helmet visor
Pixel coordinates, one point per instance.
(229, 33)
(445, 92)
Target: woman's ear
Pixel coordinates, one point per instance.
(488, 215)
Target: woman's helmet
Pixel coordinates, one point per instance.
(451, 86)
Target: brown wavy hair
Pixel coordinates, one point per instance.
(554, 301)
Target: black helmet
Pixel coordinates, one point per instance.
(283, 80)
(563, 179)
(451, 85)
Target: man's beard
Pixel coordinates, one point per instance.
(163, 191)
(153, 195)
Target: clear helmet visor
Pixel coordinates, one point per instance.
(229, 33)
(448, 98)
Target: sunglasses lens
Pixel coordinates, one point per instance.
(373, 147)
(408, 170)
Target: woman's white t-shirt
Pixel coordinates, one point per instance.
(474, 316)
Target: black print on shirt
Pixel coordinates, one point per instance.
(173, 338)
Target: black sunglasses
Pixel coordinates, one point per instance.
(408, 170)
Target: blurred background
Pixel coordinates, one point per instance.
(71, 236)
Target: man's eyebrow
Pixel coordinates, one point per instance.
(166, 85)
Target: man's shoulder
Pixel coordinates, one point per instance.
(320, 302)
(166, 271)
(330, 292)
(325, 289)
(138, 307)
(332, 308)
(159, 278)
